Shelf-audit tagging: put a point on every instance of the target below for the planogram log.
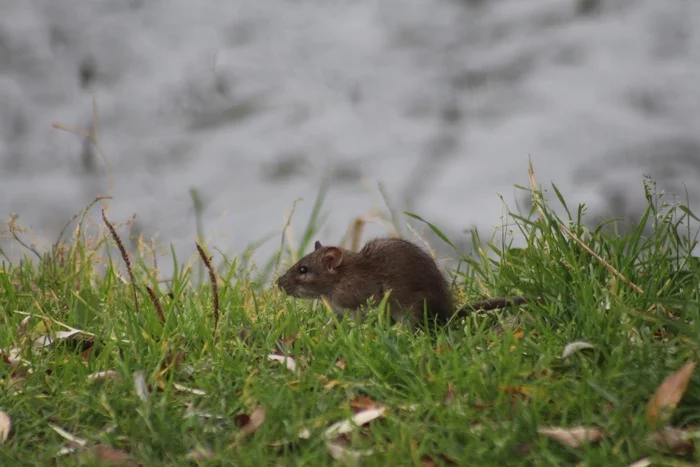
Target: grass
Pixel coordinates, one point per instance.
(473, 393)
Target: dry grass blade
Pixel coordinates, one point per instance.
(140, 385)
(212, 279)
(102, 376)
(285, 234)
(64, 434)
(356, 233)
(156, 304)
(395, 224)
(82, 214)
(598, 258)
(91, 135)
(5, 426)
(13, 228)
(669, 394)
(573, 347)
(538, 202)
(195, 391)
(536, 193)
(125, 257)
(573, 437)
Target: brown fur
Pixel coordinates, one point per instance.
(348, 280)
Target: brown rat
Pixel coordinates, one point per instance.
(348, 279)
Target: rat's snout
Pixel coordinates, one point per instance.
(282, 284)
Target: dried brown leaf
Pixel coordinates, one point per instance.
(5, 426)
(669, 394)
(673, 439)
(442, 349)
(77, 334)
(450, 394)
(480, 404)
(111, 456)
(288, 361)
(13, 357)
(290, 340)
(254, 421)
(85, 354)
(522, 391)
(239, 420)
(244, 335)
(340, 363)
(363, 403)
(331, 384)
(69, 448)
(663, 335)
(572, 437)
(359, 419)
(22, 329)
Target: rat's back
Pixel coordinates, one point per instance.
(412, 275)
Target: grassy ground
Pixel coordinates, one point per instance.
(474, 393)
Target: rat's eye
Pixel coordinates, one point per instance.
(303, 270)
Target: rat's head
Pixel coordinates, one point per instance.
(313, 275)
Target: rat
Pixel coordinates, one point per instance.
(348, 280)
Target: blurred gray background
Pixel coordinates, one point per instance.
(252, 102)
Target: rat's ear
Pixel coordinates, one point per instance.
(317, 245)
(332, 258)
